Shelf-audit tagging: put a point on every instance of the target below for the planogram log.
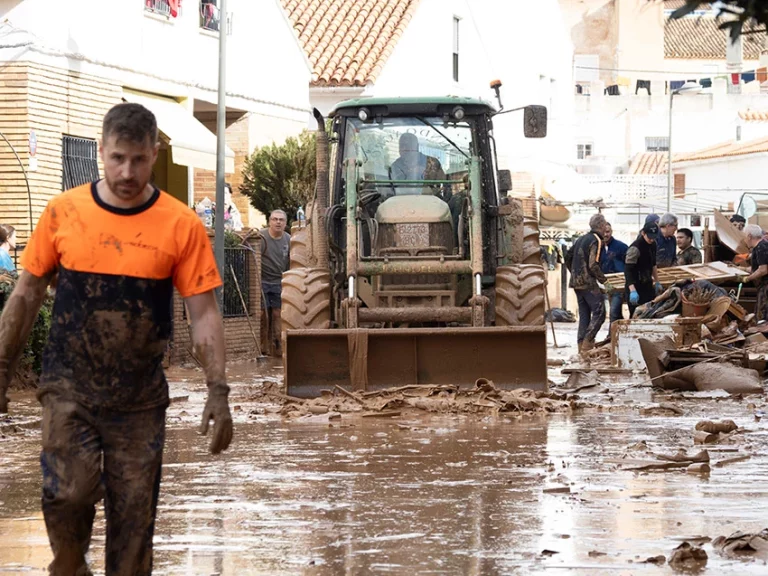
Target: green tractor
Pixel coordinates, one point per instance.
(414, 267)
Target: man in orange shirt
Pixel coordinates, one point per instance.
(119, 247)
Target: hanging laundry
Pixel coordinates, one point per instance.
(623, 81)
(675, 84)
(762, 74)
(735, 79)
(643, 84)
(612, 90)
(706, 82)
(748, 76)
(579, 89)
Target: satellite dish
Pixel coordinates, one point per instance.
(748, 207)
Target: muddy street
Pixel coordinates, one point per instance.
(429, 494)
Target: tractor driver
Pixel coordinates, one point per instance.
(413, 165)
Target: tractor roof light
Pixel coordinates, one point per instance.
(458, 113)
(363, 114)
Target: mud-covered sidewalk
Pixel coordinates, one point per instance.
(570, 491)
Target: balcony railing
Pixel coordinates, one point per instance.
(162, 7)
(210, 16)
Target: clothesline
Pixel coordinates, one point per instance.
(759, 74)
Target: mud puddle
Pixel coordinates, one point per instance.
(459, 494)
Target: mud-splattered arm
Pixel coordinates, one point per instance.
(16, 323)
(208, 343)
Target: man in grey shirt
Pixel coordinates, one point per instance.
(275, 259)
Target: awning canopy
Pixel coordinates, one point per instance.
(192, 144)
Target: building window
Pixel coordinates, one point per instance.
(656, 143)
(583, 151)
(455, 49)
(79, 161)
(169, 8)
(209, 15)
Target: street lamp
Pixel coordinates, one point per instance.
(687, 88)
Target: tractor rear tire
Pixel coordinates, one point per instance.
(531, 245)
(520, 295)
(300, 251)
(306, 295)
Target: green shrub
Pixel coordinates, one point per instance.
(32, 357)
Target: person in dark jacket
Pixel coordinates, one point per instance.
(759, 247)
(613, 257)
(666, 243)
(585, 274)
(688, 254)
(640, 271)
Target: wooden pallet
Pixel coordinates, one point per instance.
(715, 272)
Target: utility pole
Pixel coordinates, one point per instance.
(669, 154)
(221, 143)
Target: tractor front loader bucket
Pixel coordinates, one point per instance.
(361, 359)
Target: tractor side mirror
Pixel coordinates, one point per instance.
(535, 121)
(505, 181)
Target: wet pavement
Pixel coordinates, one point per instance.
(417, 495)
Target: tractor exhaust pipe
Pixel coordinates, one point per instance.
(322, 192)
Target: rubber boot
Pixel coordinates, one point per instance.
(587, 345)
(579, 344)
(277, 333)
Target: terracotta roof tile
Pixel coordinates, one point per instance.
(754, 115)
(699, 38)
(347, 42)
(726, 149)
(649, 163)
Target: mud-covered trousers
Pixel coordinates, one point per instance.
(761, 307)
(591, 314)
(90, 453)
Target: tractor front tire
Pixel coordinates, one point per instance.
(299, 249)
(531, 243)
(520, 295)
(306, 295)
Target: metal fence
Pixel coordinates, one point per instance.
(240, 260)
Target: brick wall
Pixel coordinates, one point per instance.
(237, 333)
(205, 180)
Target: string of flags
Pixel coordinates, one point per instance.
(759, 75)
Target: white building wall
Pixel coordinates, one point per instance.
(617, 126)
(266, 69)
(496, 41)
(727, 178)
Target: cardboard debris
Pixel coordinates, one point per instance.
(741, 545)
(725, 426)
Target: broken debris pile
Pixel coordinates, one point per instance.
(483, 398)
(741, 545)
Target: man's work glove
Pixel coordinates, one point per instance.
(634, 297)
(217, 407)
(659, 288)
(608, 288)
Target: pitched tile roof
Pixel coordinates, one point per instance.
(649, 163)
(754, 115)
(348, 41)
(726, 149)
(699, 38)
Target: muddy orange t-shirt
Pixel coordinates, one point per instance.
(112, 315)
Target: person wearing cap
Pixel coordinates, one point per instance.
(666, 243)
(584, 264)
(641, 277)
(759, 247)
(738, 221)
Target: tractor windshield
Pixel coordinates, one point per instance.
(410, 155)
